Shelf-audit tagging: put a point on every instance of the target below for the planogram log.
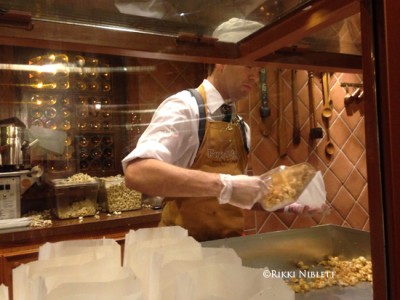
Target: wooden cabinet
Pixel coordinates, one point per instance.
(22, 245)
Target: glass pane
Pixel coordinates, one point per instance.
(167, 17)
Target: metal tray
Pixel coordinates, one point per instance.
(281, 250)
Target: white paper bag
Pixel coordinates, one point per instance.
(152, 234)
(73, 247)
(147, 258)
(125, 287)
(314, 196)
(172, 271)
(3, 292)
(68, 257)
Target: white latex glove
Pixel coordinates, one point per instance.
(241, 190)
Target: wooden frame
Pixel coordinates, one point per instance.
(253, 50)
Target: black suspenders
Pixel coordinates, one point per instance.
(203, 117)
(202, 114)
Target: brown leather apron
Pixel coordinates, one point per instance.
(222, 151)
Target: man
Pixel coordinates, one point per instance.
(202, 181)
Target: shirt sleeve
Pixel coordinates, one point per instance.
(172, 135)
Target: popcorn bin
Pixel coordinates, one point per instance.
(286, 184)
(74, 199)
(114, 196)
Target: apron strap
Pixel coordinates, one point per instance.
(202, 114)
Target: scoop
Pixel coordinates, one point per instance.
(329, 148)
(327, 111)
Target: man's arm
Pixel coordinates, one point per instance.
(157, 178)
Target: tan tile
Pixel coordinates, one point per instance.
(341, 167)
(303, 222)
(357, 217)
(355, 183)
(332, 185)
(304, 114)
(362, 165)
(359, 132)
(249, 220)
(332, 218)
(345, 224)
(298, 153)
(261, 218)
(343, 202)
(303, 92)
(351, 116)
(339, 132)
(366, 226)
(316, 162)
(337, 95)
(363, 199)
(272, 224)
(286, 218)
(257, 167)
(353, 149)
(267, 153)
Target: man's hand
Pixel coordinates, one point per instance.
(241, 190)
(306, 210)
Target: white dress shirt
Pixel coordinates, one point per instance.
(172, 135)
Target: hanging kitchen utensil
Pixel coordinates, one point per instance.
(296, 125)
(315, 132)
(265, 110)
(327, 113)
(329, 147)
(282, 143)
(327, 110)
(347, 97)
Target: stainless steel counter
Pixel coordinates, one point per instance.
(282, 250)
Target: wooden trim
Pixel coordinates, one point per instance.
(386, 61)
(114, 42)
(296, 26)
(373, 156)
(292, 58)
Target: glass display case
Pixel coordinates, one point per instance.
(306, 32)
(122, 36)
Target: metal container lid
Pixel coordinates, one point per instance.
(65, 183)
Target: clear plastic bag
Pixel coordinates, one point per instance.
(286, 184)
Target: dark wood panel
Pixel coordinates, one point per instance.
(387, 64)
